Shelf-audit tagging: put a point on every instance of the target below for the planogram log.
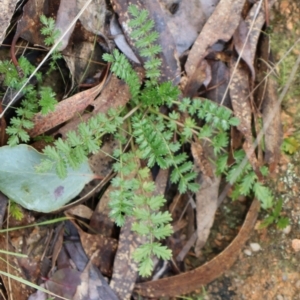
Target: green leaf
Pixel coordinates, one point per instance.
(206, 131)
(247, 183)
(161, 217)
(267, 222)
(264, 170)
(264, 195)
(161, 251)
(290, 145)
(283, 222)
(142, 252)
(221, 164)
(146, 267)
(234, 121)
(162, 232)
(45, 192)
(277, 209)
(155, 202)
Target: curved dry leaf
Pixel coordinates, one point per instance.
(115, 94)
(245, 43)
(220, 26)
(64, 111)
(119, 38)
(190, 281)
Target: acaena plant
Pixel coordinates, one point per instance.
(156, 138)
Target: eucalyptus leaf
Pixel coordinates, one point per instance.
(43, 192)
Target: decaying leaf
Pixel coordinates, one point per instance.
(220, 26)
(93, 18)
(44, 192)
(115, 94)
(192, 14)
(242, 45)
(219, 82)
(273, 133)
(66, 109)
(106, 248)
(64, 282)
(207, 196)
(239, 93)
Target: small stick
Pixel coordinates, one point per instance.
(12, 52)
(267, 13)
(2, 129)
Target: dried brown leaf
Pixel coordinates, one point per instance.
(190, 13)
(218, 83)
(220, 26)
(239, 93)
(107, 248)
(202, 160)
(207, 196)
(273, 133)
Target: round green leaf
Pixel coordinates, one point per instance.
(44, 192)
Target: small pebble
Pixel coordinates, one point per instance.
(279, 297)
(255, 247)
(248, 252)
(296, 245)
(284, 277)
(287, 229)
(297, 284)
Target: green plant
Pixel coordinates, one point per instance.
(34, 100)
(15, 210)
(51, 35)
(245, 180)
(275, 218)
(153, 141)
(41, 99)
(155, 138)
(290, 145)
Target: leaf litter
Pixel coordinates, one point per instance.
(216, 24)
